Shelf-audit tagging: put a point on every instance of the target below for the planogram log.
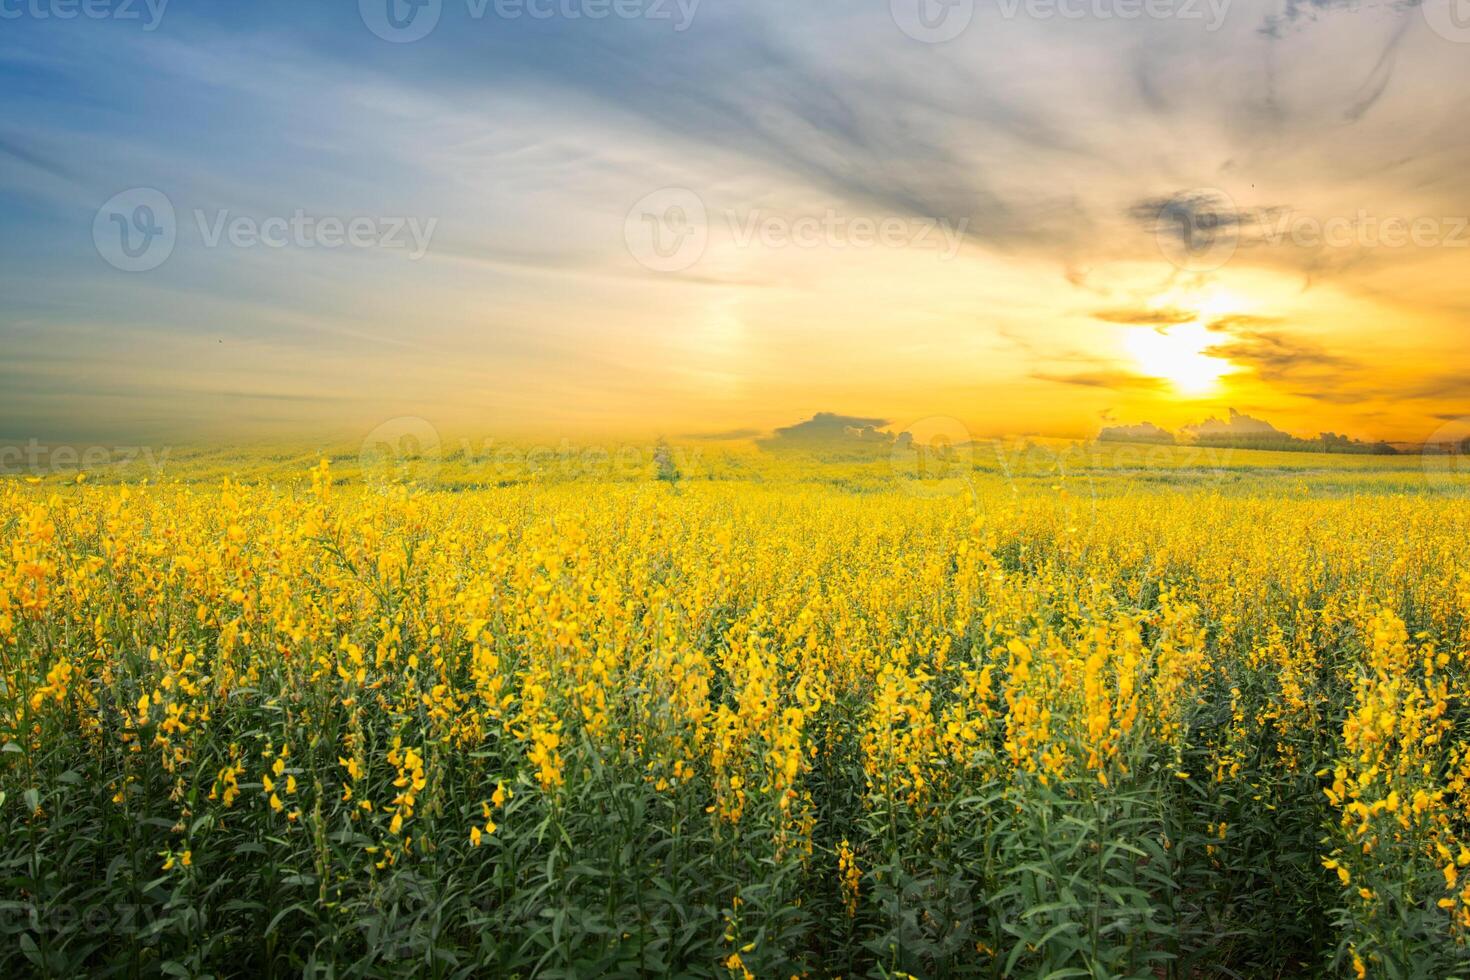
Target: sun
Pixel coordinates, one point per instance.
(1178, 355)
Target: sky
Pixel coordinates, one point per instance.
(703, 217)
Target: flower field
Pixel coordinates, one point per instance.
(770, 718)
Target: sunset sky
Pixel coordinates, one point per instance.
(726, 216)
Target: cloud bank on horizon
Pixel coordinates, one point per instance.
(649, 214)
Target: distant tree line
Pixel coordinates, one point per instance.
(1326, 442)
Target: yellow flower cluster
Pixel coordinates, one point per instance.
(781, 669)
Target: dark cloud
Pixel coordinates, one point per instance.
(1197, 220)
(1146, 317)
(829, 429)
(1276, 357)
(1192, 217)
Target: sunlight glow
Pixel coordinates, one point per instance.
(1178, 354)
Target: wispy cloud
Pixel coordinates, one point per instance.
(1115, 380)
(1075, 157)
(1277, 356)
(1146, 317)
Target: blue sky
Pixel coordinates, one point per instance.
(1021, 165)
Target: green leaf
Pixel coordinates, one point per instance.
(29, 948)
